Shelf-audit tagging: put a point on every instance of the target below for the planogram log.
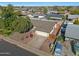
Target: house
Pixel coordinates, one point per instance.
(38, 16)
(55, 16)
(30, 15)
(52, 12)
(72, 17)
(72, 32)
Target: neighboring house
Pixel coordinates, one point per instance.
(72, 32)
(38, 16)
(23, 13)
(55, 16)
(30, 15)
(72, 17)
(52, 12)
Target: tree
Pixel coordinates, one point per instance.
(21, 25)
(7, 11)
(12, 21)
(18, 13)
(1, 24)
(45, 10)
(75, 11)
(55, 8)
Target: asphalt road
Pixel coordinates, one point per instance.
(7, 49)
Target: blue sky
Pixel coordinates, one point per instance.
(40, 3)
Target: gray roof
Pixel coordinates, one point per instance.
(72, 31)
(73, 16)
(43, 25)
(38, 15)
(55, 15)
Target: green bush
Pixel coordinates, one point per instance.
(76, 22)
(12, 21)
(60, 38)
(7, 32)
(75, 11)
(49, 18)
(1, 24)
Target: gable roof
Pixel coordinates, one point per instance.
(38, 15)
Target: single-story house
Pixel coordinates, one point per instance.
(38, 15)
(72, 32)
(55, 16)
(52, 12)
(72, 17)
(30, 15)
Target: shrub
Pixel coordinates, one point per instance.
(12, 21)
(76, 22)
(60, 38)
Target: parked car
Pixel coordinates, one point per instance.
(75, 47)
(63, 31)
(58, 49)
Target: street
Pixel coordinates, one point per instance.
(7, 49)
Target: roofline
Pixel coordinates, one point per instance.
(71, 38)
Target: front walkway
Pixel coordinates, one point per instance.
(38, 39)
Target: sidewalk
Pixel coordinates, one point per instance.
(37, 41)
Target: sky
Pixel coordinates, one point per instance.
(40, 3)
